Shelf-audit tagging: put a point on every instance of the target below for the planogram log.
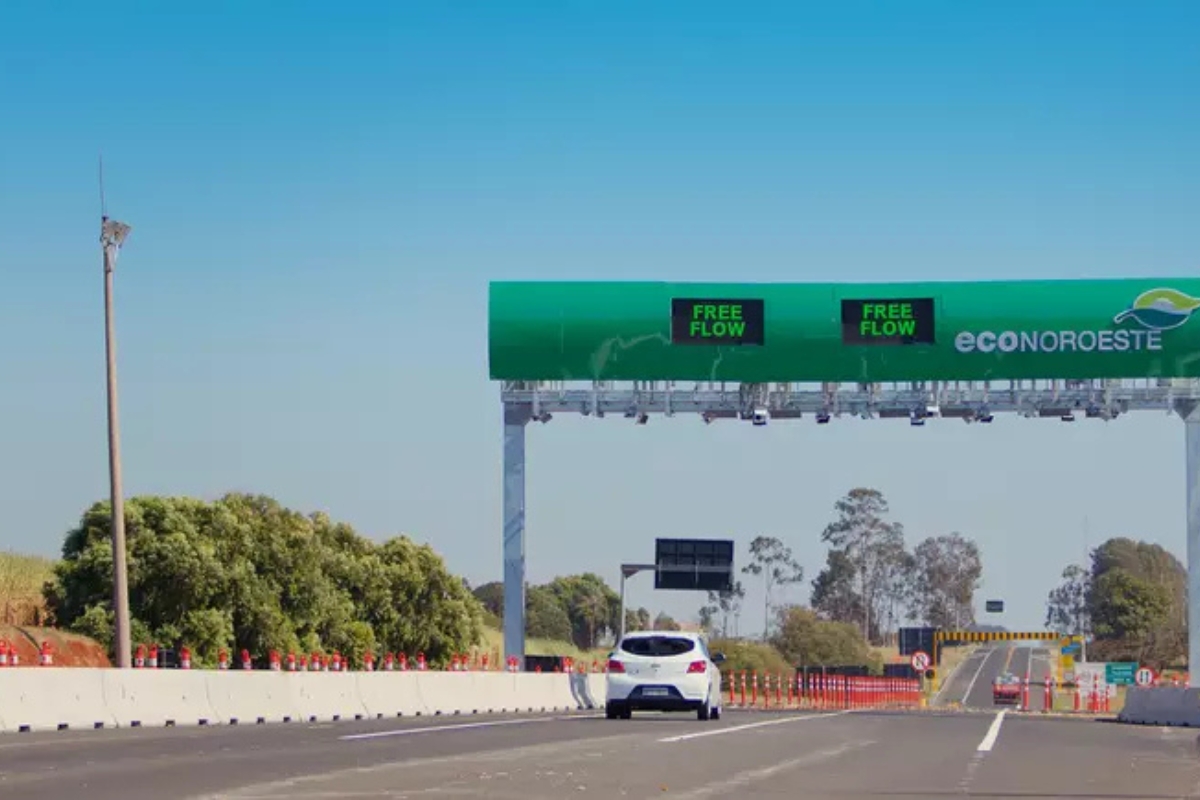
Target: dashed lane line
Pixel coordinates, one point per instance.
(736, 728)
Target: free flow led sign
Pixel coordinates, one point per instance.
(888, 321)
(717, 322)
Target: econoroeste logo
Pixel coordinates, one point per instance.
(1154, 311)
(1160, 309)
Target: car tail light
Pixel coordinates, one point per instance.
(697, 666)
(615, 666)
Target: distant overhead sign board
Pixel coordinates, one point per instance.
(695, 564)
(994, 606)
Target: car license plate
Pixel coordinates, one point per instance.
(654, 692)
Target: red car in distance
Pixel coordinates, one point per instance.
(1006, 690)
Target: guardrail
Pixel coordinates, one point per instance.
(39, 699)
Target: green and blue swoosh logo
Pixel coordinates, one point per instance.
(1160, 309)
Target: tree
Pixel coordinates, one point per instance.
(245, 572)
(833, 593)
(664, 622)
(946, 570)
(724, 604)
(875, 547)
(806, 640)
(773, 560)
(1137, 602)
(491, 596)
(592, 606)
(1067, 606)
(1129, 609)
(545, 617)
(638, 620)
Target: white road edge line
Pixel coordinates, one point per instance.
(459, 727)
(989, 739)
(721, 731)
(949, 679)
(991, 651)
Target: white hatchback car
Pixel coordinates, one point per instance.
(663, 671)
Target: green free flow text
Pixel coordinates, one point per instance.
(717, 321)
(882, 320)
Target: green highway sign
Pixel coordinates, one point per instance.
(1120, 672)
(814, 332)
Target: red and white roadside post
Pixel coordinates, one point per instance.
(1048, 701)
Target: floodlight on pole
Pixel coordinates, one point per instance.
(112, 236)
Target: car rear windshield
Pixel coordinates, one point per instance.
(657, 646)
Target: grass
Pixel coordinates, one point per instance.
(493, 645)
(21, 580)
(889, 654)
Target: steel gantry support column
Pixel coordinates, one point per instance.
(1190, 411)
(516, 419)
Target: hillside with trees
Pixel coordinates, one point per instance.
(1131, 599)
(243, 572)
(871, 583)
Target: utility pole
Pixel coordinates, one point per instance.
(112, 236)
(1083, 611)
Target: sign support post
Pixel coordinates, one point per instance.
(516, 418)
(1190, 411)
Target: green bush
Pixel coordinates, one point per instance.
(244, 572)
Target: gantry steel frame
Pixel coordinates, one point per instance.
(759, 403)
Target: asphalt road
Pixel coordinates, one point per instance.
(831, 756)
(971, 684)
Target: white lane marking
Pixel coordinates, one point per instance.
(459, 727)
(993, 731)
(949, 679)
(987, 654)
(738, 783)
(749, 725)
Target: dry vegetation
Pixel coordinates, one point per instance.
(21, 581)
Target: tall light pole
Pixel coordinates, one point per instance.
(112, 235)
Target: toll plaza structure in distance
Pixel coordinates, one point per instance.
(943, 638)
(1053, 349)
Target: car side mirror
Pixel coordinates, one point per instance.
(718, 658)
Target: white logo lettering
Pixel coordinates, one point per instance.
(1105, 341)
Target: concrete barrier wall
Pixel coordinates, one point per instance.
(39, 699)
(1161, 706)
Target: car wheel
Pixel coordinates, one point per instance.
(626, 712)
(715, 713)
(704, 711)
(611, 711)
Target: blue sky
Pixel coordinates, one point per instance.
(319, 198)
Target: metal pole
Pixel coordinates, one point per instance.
(516, 417)
(621, 624)
(1191, 425)
(111, 235)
